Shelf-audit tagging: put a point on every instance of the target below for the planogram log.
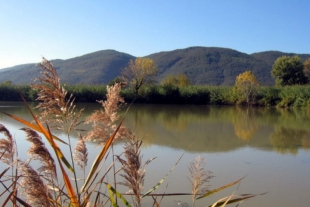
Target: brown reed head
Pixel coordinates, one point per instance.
(39, 152)
(55, 105)
(32, 186)
(104, 120)
(132, 167)
(81, 153)
(199, 176)
(7, 146)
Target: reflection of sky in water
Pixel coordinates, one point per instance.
(284, 175)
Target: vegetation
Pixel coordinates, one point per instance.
(202, 65)
(50, 184)
(179, 80)
(178, 90)
(139, 72)
(307, 68)
(246, 86)
(289, 71)
(266, 96)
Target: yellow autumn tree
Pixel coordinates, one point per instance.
(139, 72)
(246, 86)
(180, 80)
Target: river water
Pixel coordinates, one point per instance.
(268, 147)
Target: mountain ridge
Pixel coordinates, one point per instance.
(202, 65)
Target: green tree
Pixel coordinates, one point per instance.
(289, 71)
(139, 72)
(307, 69)
(7, 82)
(246, 86)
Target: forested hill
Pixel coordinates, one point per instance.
(211, 65)
(203, 65)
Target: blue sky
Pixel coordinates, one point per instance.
(65, 29)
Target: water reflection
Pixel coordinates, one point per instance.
(207, 128)
(245, 124)
(218, 129)
(285, 140)
(267, 145)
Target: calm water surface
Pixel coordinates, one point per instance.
(268, 146)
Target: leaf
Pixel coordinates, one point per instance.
(4, 171)
(32, 126)
(219, 189)
(112, 199)
(240, 198)
(100, 156)
(115, 192)
(18, 199)
(46, 133)
(162, 180)
(12, 194)
(72, 195)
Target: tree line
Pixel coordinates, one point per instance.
(139, 84)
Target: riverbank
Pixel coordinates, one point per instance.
(265, 96)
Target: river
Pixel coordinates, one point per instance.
(268, 147)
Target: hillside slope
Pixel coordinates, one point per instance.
(203, 66)
(94, 68)
(211, 65)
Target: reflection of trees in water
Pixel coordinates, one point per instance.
(245, 123)
(207, 128)
(285, 140)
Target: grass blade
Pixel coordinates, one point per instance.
(100, 156)
(12, 194)
(113, 202)
(110, 188)
(162, 180)
(46, 133)
(4, 171)
(71, 193)
(240, 198)
(219, 189)
(69, 187)
(32, 126)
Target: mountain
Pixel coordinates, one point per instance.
(211, 65)
(203, 66)
(270, 56)
(94, 68)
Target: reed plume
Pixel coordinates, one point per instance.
(103, 120)
(33, 187)
(57, 109)
(81, 153)
(134, 171)
(7, 146)
(39, 152)
(199, 177)
(55, 105)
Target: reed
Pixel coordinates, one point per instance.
(50, 184)
(199, 177)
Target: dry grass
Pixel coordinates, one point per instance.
(104, 120)
(33, 187)
(7, 146)
(132, 167)
(38, 151)
(55, 105)
(81, 153)
(199, 177)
